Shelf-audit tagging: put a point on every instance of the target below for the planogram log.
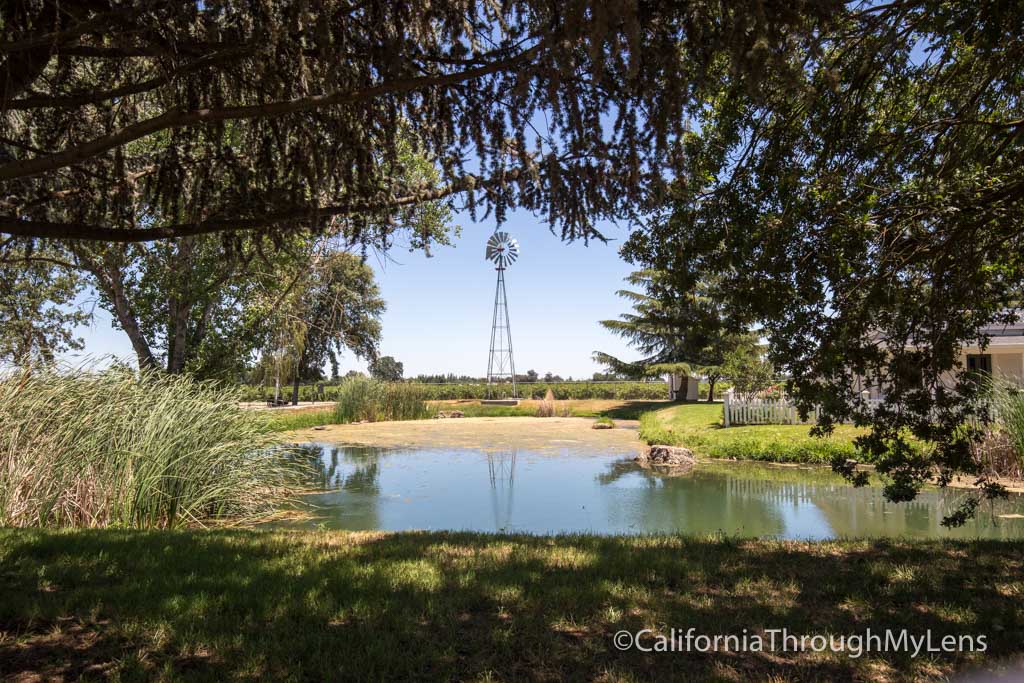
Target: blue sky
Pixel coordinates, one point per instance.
(439, 308)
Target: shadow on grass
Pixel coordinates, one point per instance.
(321, 606)
(632, 410)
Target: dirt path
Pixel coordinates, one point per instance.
(552, 434)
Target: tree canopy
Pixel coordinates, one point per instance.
(386, 368)
(868, 213)
(37, 312)
(334, 307)
(133, 120)
(676, 331)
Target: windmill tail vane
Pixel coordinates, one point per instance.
(502, 251)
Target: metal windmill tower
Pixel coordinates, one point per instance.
(502, 250)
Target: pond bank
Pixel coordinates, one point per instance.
(550, 434)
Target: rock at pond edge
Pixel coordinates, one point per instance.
(667, 456)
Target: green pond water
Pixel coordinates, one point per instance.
(399, 489)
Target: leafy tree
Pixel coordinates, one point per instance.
(530, 376)
(284, 115)
(386, 368)
(866, 207)
(336, 307)
(748, 371)
(37, 311)
(199, 305)
(676, 332)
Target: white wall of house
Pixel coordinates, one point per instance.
(1007, 363)
(1007, 360)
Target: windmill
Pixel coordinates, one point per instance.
(502, 250)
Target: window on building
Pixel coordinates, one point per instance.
(980, 363)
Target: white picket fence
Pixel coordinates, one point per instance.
(765, 411)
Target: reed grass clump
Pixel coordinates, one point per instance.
(1003, 448)
(125, 449)
(547, 406)
(362, 399)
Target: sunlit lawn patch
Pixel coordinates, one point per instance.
(698, 426)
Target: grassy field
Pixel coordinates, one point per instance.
(698, 427)
(434, 606)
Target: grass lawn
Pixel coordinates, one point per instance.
(698, 427)
(217, 605)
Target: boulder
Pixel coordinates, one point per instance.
(601, 425)
(456, 413)
(668, 456)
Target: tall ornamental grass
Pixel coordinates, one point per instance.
(116, 448)
(362, 399)
(1003, 447)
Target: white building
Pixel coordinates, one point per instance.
(1003, 356)
(683, 387)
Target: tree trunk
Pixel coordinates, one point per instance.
(178, 308)
(109, 278)
(178, 341)
(299, 369)
(711, 390)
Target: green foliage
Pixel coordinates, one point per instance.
(562, 392)
(332, 307)
(118, 449)
(288, 420)
(1007, 402)
(362, 399)
(677, 332)
(698, 427)
(748, 372)
(820, 452)
(273, 117)
(37, 312)
(605, 420)
(479, 410)
(720, 389)
(452, 392)
(654, 432)
(864, 207)
(386, 369)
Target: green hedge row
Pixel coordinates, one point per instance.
(441, 392)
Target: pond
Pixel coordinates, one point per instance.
(542, 492)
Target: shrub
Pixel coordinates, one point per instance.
(361, 398)
(80, 449)
(547, 406)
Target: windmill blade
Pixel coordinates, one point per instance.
(502, 249)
